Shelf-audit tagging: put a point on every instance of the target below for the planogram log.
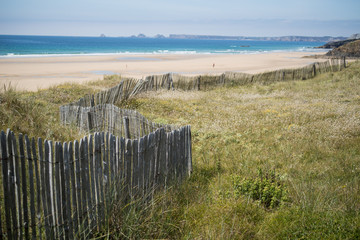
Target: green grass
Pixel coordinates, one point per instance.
(308, 132)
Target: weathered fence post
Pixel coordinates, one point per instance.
(31, 186)
(126, 127)
(90, 124)
(5, 160)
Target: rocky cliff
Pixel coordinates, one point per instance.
(349, 49)
(335, 44)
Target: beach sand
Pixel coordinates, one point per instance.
(33, 73)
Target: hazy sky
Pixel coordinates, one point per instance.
(212, 17)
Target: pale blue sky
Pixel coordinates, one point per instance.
(225, 17)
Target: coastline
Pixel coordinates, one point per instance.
(33, 73)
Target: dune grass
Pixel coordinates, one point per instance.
(307, 132)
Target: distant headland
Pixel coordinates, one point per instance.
(244, 38)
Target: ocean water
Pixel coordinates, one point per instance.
(22, 46)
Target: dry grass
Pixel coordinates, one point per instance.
(307, 131)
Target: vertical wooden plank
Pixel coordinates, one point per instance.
(122, 161)
(3, 194)
(57, 192)
(87, 188)
(185, 151)
(127, 127)
(106, 162)
(97, 165)
(31, 187)
(143, 127)
(43, 189)
(162, 157)
(127, 160)
(62, 190)
(114, 159)
(168, 158)
(146, 165)
(85, 220)
(182, 164)
(103, 176)
(5, 182)
(156, 156)
(24, 188)
(177, 154)
(1, 227)
(117, 158)
(141, 153)
(115, 168)
(13, 184)
(67, 203)
(92, 182)
(74, 213)
(49, 188)
(111, 158)
(151, 159)
(135, 168)
(38, 188)
(78, 188)
(173, 155)
(189, 146)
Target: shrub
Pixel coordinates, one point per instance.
(266, 188)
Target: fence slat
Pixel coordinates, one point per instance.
(92, 183)
(141, 164)
(106, 161)
(127, 160)
(103, 176)
(4, 162)
(190, 166)
(97, 165)
(24, 201)
(122, 161)
(12, 150)
(151, 159)
(58, 192)
(31, 186)
(87, 188)
(37, 180)
(182, 153)
(85, 219)
(162, 157)
(49, 189)
(78, 188)
(173, 154)
(43, 188)
(74, 213)
(111, 158)
(67, 203)
(62, 190)
(135, 168)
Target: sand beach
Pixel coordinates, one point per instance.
(33, 73)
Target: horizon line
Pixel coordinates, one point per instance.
(173, 34)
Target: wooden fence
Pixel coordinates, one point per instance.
(128, 88)
(62, 190)
(108, 117)
(59, 190)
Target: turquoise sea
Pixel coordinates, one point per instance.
(22, 46)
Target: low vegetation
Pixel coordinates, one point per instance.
(279, 161)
